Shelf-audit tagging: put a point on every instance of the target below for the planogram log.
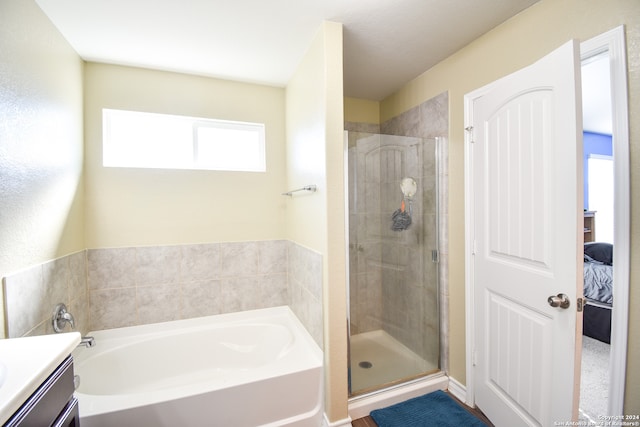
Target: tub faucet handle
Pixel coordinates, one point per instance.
(61, 317)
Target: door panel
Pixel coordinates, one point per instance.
(517, 200)
(518, 356)
(527, 205)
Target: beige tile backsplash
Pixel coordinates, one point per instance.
(111, 288)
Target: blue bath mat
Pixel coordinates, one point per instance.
(435, 409)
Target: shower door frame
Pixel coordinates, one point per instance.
(436, 256)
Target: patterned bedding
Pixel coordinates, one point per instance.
(598, 280)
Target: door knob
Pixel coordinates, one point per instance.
(560, 300)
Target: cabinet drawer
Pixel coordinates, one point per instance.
(45, 405)
(70, 417)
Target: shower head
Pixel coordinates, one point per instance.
(408, 187)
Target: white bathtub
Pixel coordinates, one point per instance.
(254, 368)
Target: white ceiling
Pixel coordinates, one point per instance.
(386, 42)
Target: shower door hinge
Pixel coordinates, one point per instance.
(469, 129)
(435, 257)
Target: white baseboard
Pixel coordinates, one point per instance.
(345, 422)
(458, 390)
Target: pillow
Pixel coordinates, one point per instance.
(602, 252)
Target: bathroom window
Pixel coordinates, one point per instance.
(149, 140)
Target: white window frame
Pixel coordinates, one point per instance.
(134, 147)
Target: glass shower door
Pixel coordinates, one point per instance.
(393, 270)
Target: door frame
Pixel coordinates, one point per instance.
(613, 42)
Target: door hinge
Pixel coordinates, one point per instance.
(470, 130)
(474, 359)
(435, 257)
(580, 304)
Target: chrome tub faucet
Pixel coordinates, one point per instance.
(61, 317)
(87, 342)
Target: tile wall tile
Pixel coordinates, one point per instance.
(24, 301)
(157, 265)
(111, 268)
(173, 282)
(200, 262)
(158, 303)
(427, 120)
(362, 127)
(32, 294)
(205, 279)
(78, 276)
(305, 284)
(239, 259)
(241, 293)
(112, 308)
(272, 257)
(275, 290)
(56, 276)
(111, 288)
(201, 298)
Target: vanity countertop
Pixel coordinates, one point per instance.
(26, 363)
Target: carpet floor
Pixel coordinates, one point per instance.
(594, 383)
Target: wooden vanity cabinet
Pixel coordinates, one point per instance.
(52, 404)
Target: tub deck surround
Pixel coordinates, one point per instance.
(252, 368)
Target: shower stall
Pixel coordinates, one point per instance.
(394, 315)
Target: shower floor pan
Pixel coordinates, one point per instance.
(379, 360)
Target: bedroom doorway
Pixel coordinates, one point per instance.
(607, 220)
(597, 140)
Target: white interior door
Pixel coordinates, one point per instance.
(525, 218)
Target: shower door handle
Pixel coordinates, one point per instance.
(560, 300)
(356, 246)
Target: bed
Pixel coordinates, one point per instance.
(598, 290)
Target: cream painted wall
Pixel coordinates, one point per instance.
(315, 155)
(136, 207)
(41, 191)
(361, 111)
(509, 47)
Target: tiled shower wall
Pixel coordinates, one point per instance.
(110, 288)
(431, 120)
(371, 305)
